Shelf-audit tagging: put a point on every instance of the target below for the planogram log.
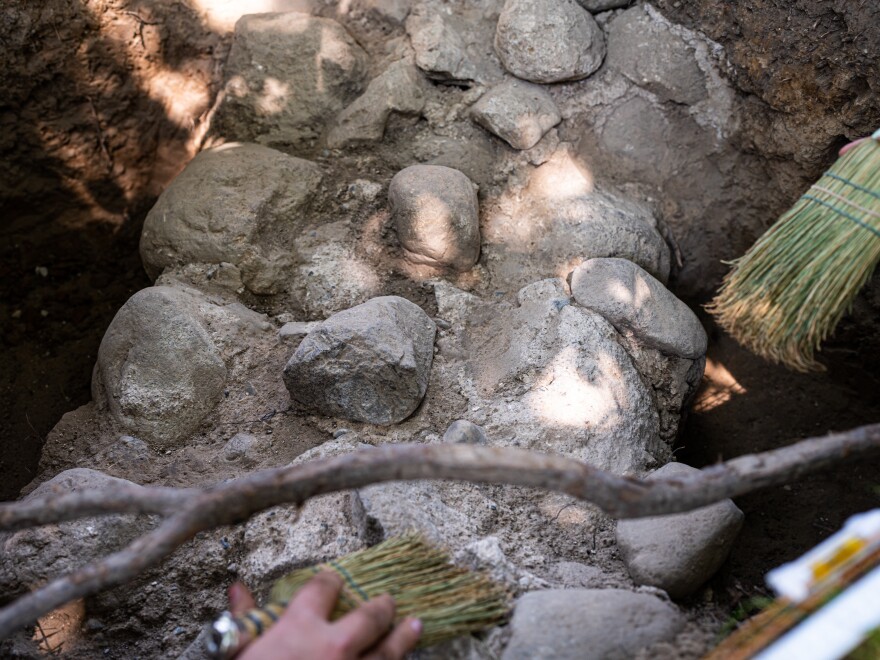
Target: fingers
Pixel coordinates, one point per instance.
(318, 596)
(851, 145)
(399, 642)
(363, 627)
(303, 631)
(240, 599)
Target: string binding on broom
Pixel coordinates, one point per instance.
(786, 295)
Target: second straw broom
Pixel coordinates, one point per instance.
(790, 290)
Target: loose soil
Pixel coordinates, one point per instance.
(102, 100)
(776, 407)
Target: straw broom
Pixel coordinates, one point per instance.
(790, 290)
(450, 601)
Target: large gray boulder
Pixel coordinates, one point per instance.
(32, 556)
(548, 42)
(518, 112)
(449, 514)
(678, 553)
(221, 208)
(436, 215)
(559, 220)
(651, 55)
(553, 377)
(158, 370)
(333, 274)
(287, 538)
(400, 88)
(634, 301)
(370, 363)
(287, 75)
(589, 624)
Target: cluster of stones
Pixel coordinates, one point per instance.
(597, 362)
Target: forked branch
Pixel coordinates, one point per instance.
(188, 511)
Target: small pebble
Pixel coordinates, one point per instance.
(464, 432)
(297, 329)
(238, 446)
(93, 625)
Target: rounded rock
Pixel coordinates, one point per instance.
(158, 370)
(436, 214)
(680, 552)
(548, 42)
(633, 300)
(461, 431)
(221, 208)
(589, 624)
(33, 556)
(240, 446)
(287, 75)
(370, 363)
(518, 112)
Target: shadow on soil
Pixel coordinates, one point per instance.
(86, 146)
(776, 408)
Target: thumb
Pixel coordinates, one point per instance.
(240, 599)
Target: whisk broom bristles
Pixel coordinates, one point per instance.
(790, 290)
(450, 601)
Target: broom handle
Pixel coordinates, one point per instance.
(229, 634)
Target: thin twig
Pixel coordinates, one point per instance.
(100, 131)
(190, 511)
(141, 23)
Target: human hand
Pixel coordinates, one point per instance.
(304, 631)
(851, 145)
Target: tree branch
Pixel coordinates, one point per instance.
(117, 498)
(190, 510)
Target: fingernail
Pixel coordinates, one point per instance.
(416, 626)
(333, 576)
